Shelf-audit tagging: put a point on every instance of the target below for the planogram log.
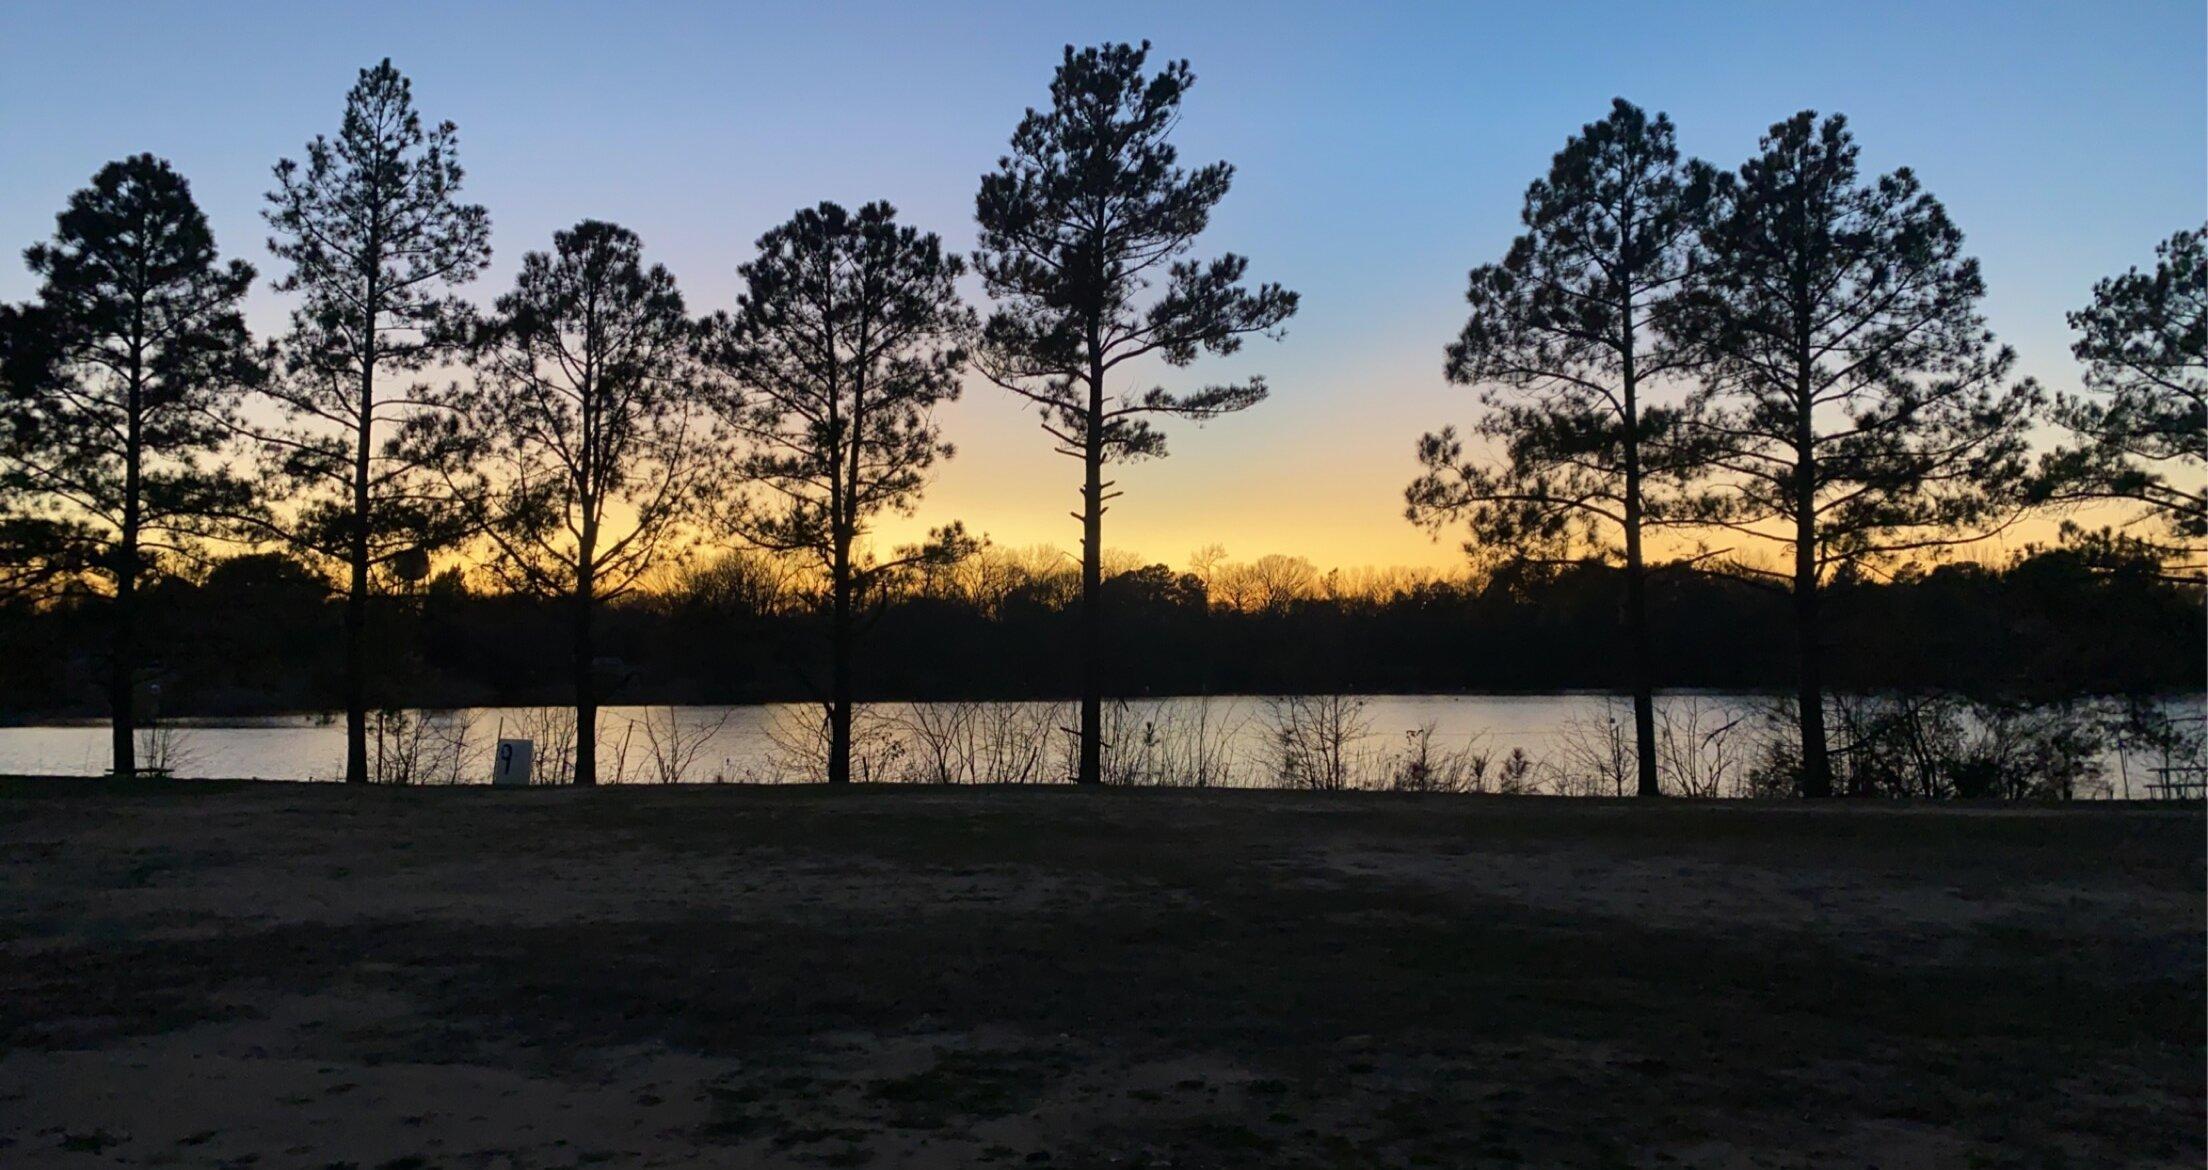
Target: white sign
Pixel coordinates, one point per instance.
(511, 765)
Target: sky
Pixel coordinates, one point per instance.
(1381, 151)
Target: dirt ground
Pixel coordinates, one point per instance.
(211, 975)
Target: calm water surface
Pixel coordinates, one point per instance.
(1225, 740)
(754, 743)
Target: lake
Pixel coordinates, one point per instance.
(1578, 743)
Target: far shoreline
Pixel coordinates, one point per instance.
(90, 717)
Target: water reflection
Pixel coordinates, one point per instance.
(1709, 744)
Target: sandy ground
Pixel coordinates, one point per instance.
(288, 975)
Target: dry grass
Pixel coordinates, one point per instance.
(289, 975)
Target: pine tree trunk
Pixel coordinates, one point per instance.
(1808, 649)
(123, 667)
(356, 553)
(356, 594)
(122, 691)
(839, 668)
(586, 694)
(1643, 664)
(585, 650)
(843, 532)
(1636, 586)
(1810, 690)
(356, 684)
(1092, 580)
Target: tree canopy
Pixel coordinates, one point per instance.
(2141, 427)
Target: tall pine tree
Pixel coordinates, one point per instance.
(1562, 342)
(1090, 210)
(137, 358)
(1853, 408)
(589, 436)
(848, 336)
(374, 230)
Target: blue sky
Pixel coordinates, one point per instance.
(1381, 152)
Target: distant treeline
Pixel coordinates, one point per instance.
(261, 633)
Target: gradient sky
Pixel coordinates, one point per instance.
(1381, 151)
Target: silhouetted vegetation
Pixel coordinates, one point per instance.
(257, 633)
(1528, 860)
(1783, 370)
(123, 378)
(848, 335)
(2141, 429)
(374, 231)
(590, 447)
(1563, 339)
(1086, 212)
(1852, 407)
